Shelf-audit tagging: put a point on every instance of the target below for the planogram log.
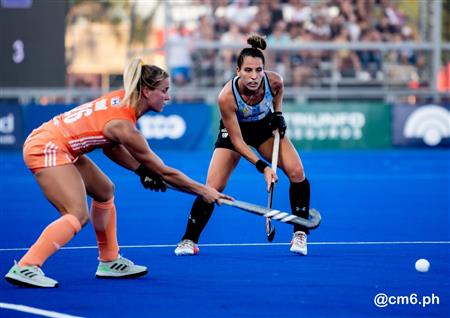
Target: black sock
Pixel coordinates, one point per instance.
(201, 211)
(299, 195)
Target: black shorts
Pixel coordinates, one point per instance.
(254, 133)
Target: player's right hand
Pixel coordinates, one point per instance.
(270, 176)
(211, 195)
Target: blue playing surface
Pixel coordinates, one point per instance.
(381, 211)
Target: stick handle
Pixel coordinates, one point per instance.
(270, 231)
(276, 150)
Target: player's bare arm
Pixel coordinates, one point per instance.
(228, 110)
(277, 86)
(125, 133)
(120, 155)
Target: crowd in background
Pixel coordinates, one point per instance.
(290, 22)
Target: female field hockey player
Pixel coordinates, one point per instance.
(56, 154)
(251, 109)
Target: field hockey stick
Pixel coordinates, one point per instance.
(270, 230)
(311, 223)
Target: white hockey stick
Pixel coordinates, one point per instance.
(270, 230)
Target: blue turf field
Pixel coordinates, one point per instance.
(381, 210)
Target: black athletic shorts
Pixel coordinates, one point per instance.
(254, 133)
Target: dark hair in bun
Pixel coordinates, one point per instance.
(257, 43)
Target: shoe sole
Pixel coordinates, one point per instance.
(299, 252)
(135, 275)
(20, 283)
(186, 254)
(195, 252)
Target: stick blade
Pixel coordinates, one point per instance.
(311, 223)
(271, 234)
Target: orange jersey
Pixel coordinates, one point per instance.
(81, 128)
(65, 137)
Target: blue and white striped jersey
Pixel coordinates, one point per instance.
(249, 113)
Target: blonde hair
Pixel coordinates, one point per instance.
(136, 75)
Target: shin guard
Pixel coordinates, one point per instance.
(201, 211)
(299, 196)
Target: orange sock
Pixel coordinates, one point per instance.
(54, 236)
(103, 218)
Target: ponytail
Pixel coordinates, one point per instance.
(136, 75)
(131, 78)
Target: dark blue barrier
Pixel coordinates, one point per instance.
(11, 127)
(421, 126)
(35, 115)
(179, 126)
(188, 126)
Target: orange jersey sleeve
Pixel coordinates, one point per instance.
(81, 129)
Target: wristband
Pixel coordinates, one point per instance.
(261, 165)
(140, 170)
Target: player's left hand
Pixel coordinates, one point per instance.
(149, 180)
(279, 123)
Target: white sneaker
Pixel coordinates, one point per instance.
(298, 243)
(120, 268)
(29, 276)
(186, 247)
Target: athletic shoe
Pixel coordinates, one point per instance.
(29, 276)
(186, 247)
(120, 268)
(298, 243)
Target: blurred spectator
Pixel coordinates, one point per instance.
(205, 59)
(296, 11)
(371, 60)
(424, 72)
(240, 12)
(347, 9)
(395, 16)
(276, 11)
(320, 8)
(364, 11)
(354, 28)
(221, 26)
(229, 56)
(336, 25)
(254, 27)
(320, 29)
(399, 70)
(408, 55)
(286, 22)
(179, 55)
(346, 62)
(278, 60)
(351, 22)
(443, 80)
(301, 62)
(264, 19)
(386, 30)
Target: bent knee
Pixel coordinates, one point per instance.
(83, 219)
(296, 175)
(82, 216)
(104, 193)
(218, 185)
